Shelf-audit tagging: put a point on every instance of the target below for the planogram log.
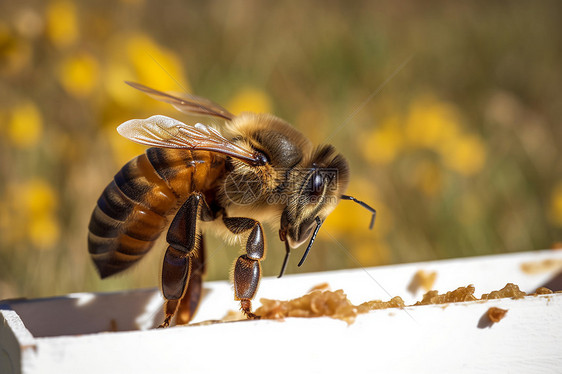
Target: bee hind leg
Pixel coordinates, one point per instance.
(190, 300)
(247, 270)
(175, 278)
(183, 259)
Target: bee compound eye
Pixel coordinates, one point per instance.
(316, 184)
(261, 159)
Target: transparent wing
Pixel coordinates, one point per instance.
(166, 132)
(186, 103)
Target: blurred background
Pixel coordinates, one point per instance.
(449, 114)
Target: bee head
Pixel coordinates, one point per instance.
(315, 190)
(299, 182)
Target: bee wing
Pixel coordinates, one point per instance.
(166, 132)
(186, 103)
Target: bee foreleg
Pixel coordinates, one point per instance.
(247, 270)
(181, 256)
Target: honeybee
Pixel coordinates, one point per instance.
(261, 170)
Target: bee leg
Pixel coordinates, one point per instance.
(190, 300)
(181, 256)
(247, 270)
(175, 277)
(247, 274)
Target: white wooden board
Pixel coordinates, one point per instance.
(69, 334)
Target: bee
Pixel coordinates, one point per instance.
(262, 170)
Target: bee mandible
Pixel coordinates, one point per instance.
(262, 170)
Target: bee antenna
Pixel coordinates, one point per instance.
(318, 224)
(372, 210)
(285, 260)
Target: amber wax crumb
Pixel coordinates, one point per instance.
(320, 287)
(543, 291)
(544, 266)
(510, 290)
(460, 294)
(422, 279)
(496, 314)
(395, 302)
(333, 304)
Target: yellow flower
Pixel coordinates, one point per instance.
(39, 198)
(556, 205)
(435, 125)
(79, 74)
(137, 57)
(250, 99)
(431, 123)
(350, 218)
(62, 23)
(465, 154)
(15, 52)
(113, 83)
(44, 231)
(345, 219)
(31, 207)
(385, 142)
(25, 126)
(154, 65)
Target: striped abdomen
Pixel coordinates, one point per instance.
(132, 211)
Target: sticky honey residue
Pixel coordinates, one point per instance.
(422, 280)
(335, 304)
(496, 314)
